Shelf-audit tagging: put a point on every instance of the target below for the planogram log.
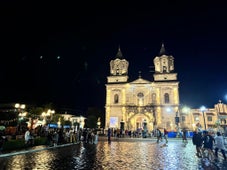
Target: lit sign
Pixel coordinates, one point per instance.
(113, 122)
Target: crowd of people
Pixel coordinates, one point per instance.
(56, 136)
(203, 140)
(3, 139)
(211, 142)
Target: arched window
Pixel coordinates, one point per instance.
(166, 97)
(153, 98)
(116, 98)
(140, 95)
(164, 69)
(140, 99)
(223, 121)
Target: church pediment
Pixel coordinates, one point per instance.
(140, 81)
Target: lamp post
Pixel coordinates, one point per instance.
(20, 108)
(154, 116)
(203, 108)
(59, 122)
(49, 113)
(185, 121)
(177, 120)
(219, 111)
(99, 123)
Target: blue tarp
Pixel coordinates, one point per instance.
(190, 134)
(51, 125)
(66, 126)
(172, 134)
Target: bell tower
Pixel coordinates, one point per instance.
(118, 69)
(164, 66)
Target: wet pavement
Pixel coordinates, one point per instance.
(126, 154)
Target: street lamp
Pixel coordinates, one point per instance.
(186, 117)
(99, 123)
(177, 120)
(185, 109)
(219, 111)
(154, 116)
(203, 108)
(49, 113)
(20, 108)
(59, 122)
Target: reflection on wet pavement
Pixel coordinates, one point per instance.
(140, 155)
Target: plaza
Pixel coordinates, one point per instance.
(120, 153)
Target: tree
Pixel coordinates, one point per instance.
(34, 112)
(96, 112)
(91, 122)
(56, 118)
(9, 118)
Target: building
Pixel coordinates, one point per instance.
(142, 104)
(80, 120)
(205, 118)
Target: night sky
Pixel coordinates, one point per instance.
(86, 36)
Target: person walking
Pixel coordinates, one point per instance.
(197, 141)
(208, 142)
(166, 135)
(159, 135)
(219, 141)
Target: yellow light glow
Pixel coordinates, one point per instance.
(22, 106)
(175, 95)
(43, 114)
(158, 96)
(108, 97)
(17, 105)
(185, 109)
(123, 96)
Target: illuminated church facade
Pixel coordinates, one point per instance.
(142, 104)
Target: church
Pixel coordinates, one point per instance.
(142, 104)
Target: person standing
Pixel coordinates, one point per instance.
(55, 138)
(27, 137)
(2, 141)
(109, 135)
(165, 135)
(184, 136)
(197, 141)
(96, 136)
(219, 141)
